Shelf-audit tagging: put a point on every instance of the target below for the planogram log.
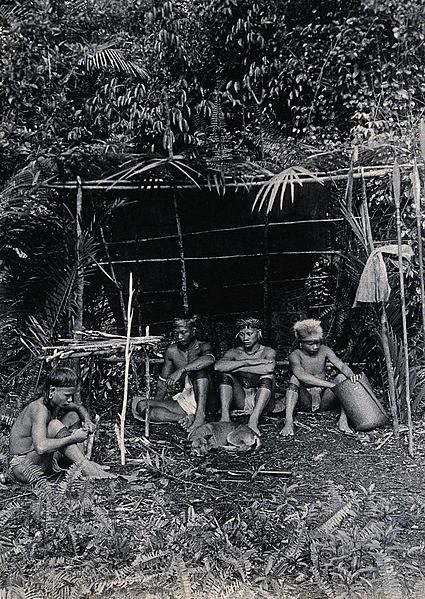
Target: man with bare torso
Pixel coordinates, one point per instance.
(246, 376)
(52, 426)
(184, 384)
(308, 387)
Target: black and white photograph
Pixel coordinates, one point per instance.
(212, 299)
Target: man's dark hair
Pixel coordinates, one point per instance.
(61, 377)
(189, 321)
(249, 323)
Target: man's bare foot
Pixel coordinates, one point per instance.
(253, 424)
(344, 428)
(92, 470)
(288, 430)
(187, 421)
(196, 424)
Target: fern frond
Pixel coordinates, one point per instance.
(334, 521)
(323, 584)
(389, 583)
(104, 56)
(182, 573)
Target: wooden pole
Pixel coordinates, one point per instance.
(266, 287)
(396, 193)
(79, 292)
(182, 257)
(384, 322)
(416, 186)
(148, 392)
(128, 351)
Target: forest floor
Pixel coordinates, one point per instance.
(315, 516)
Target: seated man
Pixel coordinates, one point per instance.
(184, 383)
(50, 427)
(246, 374)
(308, 387)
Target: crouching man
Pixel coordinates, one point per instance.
(246, 376)
(308, 388)
(185, 383)
(52, 428)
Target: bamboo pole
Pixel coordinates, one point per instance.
(416, 186)
(228, 257)
(384, 322)
(396, 193)
(182, 257)
(79, 281)
(148, 392)
(128, 351)
(266, 277)
(323, 177)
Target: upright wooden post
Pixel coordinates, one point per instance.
(79, 294)
(182, 257)
(148, 392)
(416, 186)
(266, 290)
(396, 189)
(128, 351)
(384, 322)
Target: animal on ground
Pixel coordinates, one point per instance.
(228, 435)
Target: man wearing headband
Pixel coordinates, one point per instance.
(309, 388)
(184, 384)
(246, 376)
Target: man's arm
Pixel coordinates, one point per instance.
(86, 421)
(166, 370)
(339, 364)
(304, 377)
(205, 360)
(262, 366)
(42, 444)
(229, 362)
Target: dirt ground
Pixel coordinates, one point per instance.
(260, 502)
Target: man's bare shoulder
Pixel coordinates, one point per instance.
(233, 353)
(295, 355)
(205, 346)
(35, 409)
(269, 351)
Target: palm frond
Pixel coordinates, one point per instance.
(106, 57)
(278, 184)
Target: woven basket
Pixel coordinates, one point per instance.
(360, 404)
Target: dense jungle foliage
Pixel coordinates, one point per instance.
(230, 81)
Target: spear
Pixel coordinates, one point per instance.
(396, 193)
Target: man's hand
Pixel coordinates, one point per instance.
(354, 378)
(174, 378)
(89, 426)
(79, 435)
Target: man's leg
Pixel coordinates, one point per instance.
(262, 398)
(201, 388)
(74, 453)
(166, 410)
(292, 395)
(329, 400)
(230, 390)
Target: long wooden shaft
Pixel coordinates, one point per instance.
(128, 350)
(396, 189)
(182, 257)
(148, 392)
(416, 186)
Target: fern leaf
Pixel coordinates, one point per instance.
(389, 584)
(334, 521)
(323, 584)
(182, 573)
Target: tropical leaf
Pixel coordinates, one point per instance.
(278, 184)
(106, 57)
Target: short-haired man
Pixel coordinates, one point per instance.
(51, 427)
(184, 384)
(309, 387)
(246, 376)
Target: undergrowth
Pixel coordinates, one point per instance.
(74, 539)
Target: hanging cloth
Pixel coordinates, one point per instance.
(373, 284)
